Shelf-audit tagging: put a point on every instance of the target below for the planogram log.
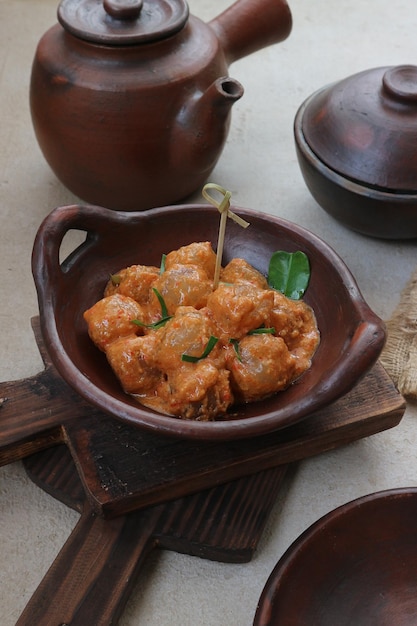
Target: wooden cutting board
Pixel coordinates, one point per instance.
(97, 568)
(206, 499)
(123, 468)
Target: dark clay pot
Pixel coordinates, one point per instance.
(356, 143)
(131, 100)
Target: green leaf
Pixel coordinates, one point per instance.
(209, 347)
(162, 266)
(164, 310)
(257, 331)
(116, 279)
(235, 344)
(262, 331)
(154, 325)
(289, 272)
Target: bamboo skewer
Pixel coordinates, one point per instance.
(224, 209)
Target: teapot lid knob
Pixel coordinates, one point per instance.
(121, 22)
(123, 9)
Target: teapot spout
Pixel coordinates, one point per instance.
(221, 94)
(203, 125)
(249, 25)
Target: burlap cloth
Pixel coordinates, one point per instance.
(399, 356)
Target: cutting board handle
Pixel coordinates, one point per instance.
(28, 417)
(91, 578)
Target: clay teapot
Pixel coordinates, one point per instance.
(131, 99)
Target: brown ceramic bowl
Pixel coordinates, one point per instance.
(352, 336)
(356, 143)
(355, 566)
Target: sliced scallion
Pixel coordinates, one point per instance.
(209, 347)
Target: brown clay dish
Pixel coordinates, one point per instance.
(356, 565)
(356, 143)
(352, 336)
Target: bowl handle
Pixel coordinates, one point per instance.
(47, 269)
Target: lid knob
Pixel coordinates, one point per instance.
(401, 83)
(116, 23)
(123, 9)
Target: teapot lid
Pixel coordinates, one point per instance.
(365, 127)
(123, 22)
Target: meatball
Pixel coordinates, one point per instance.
(183, 285)
(199, 391)
(111, 318)
(131, 360)
(262, 367)
(239, 271)
(295, 322)
(200, 254)
(135, 281)
(238, 309)
(187, 332)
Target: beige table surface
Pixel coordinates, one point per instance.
(330, 40)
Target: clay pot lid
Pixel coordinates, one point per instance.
(365, 127)
(122, 22)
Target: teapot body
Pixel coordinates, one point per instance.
(110, 124)
(136, 123)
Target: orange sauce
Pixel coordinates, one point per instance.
(263, 340)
